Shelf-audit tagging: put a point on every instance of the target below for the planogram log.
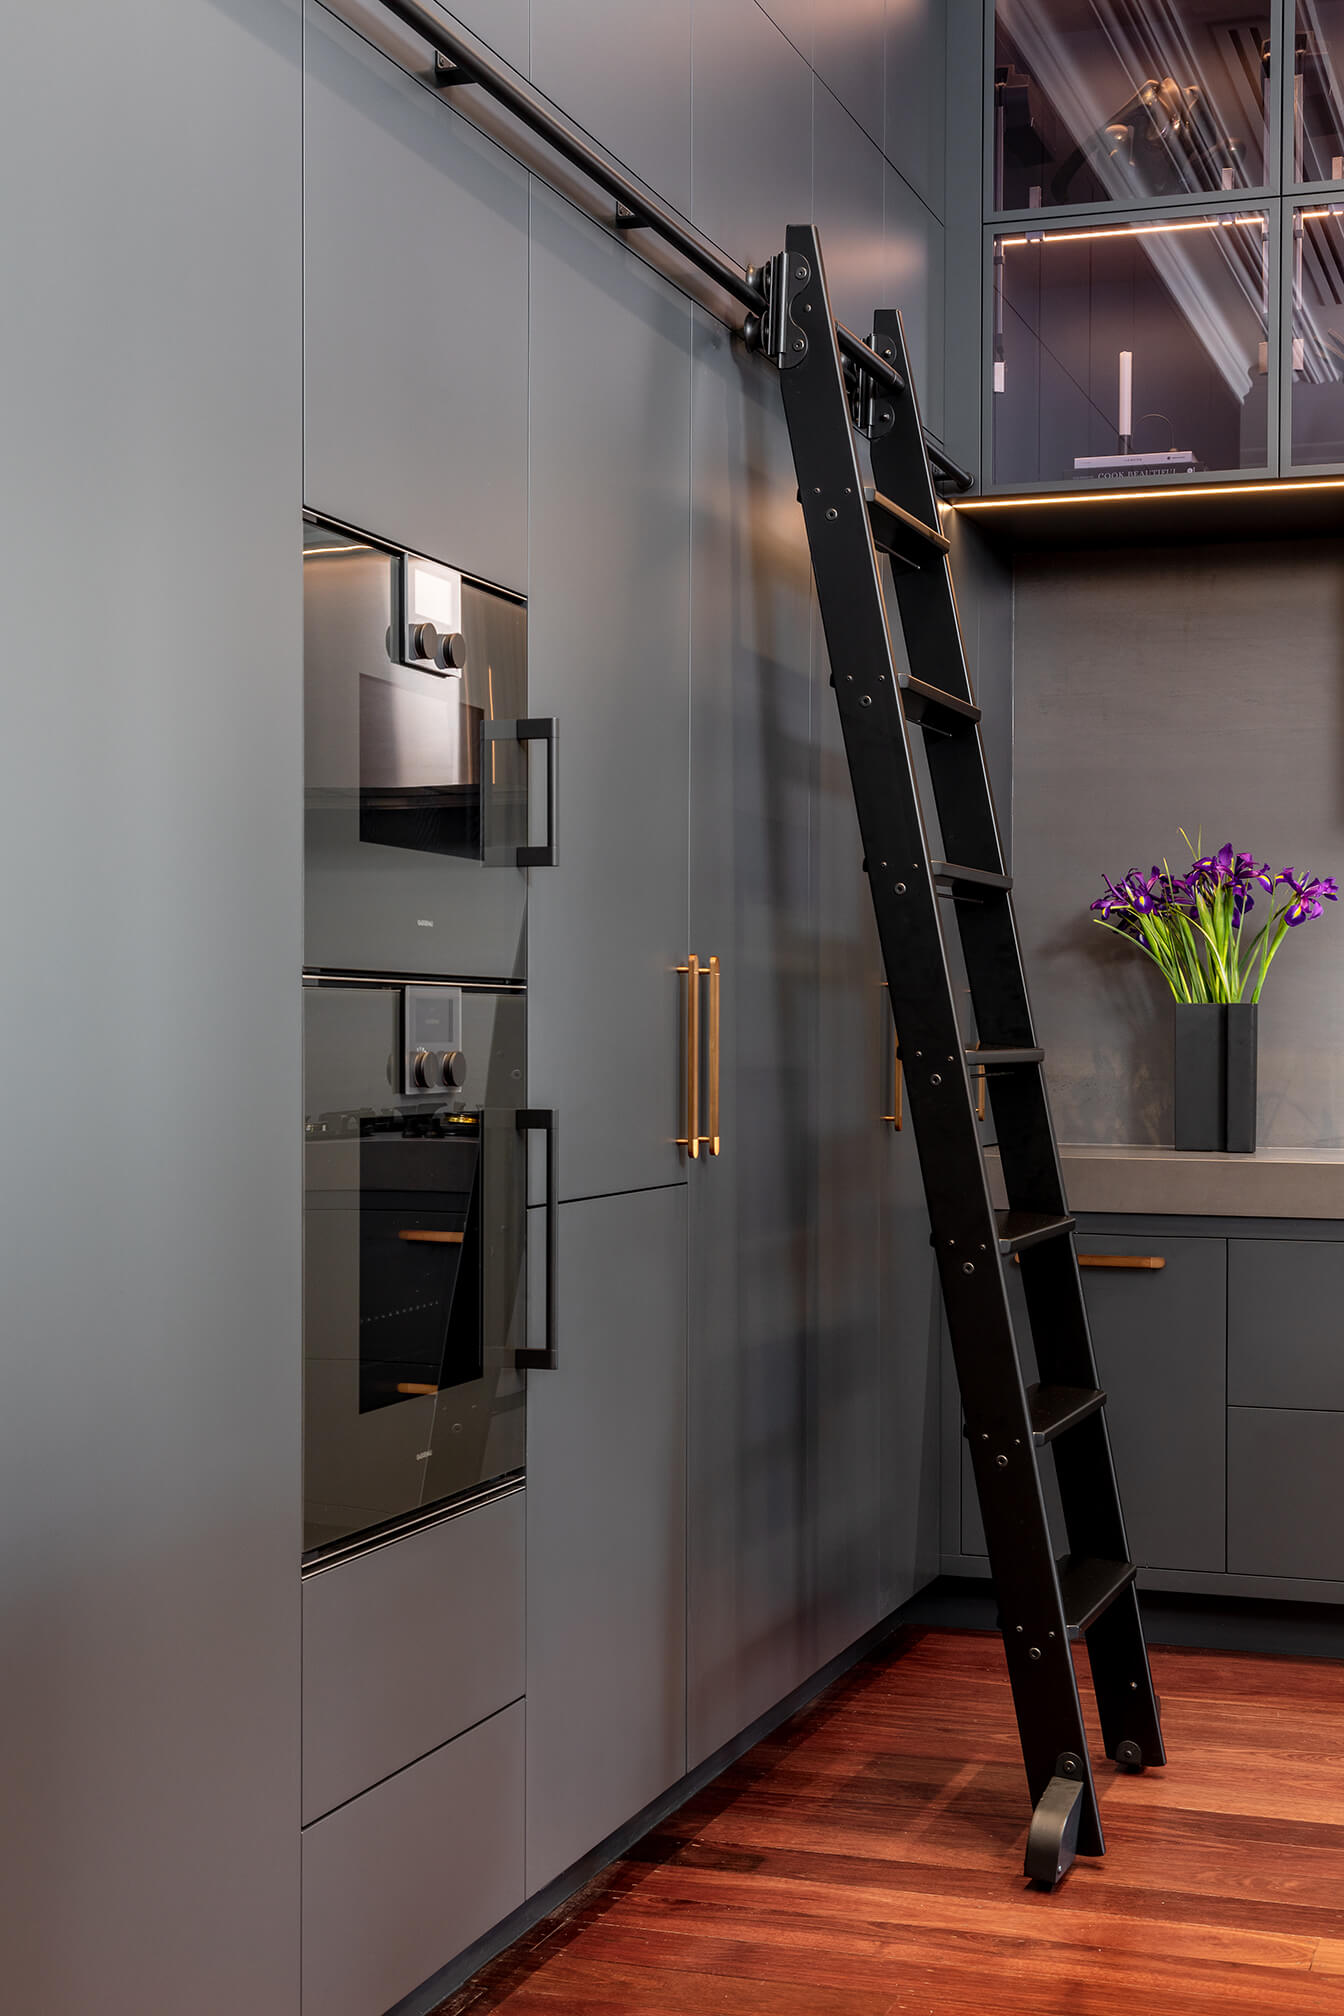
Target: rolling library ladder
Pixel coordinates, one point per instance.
(1044, 1603)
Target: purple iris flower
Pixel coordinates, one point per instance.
(1310, 894)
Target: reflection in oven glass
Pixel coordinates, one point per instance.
(419, 1256)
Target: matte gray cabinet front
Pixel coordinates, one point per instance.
(1283, 1323)
(622, 69)
(749, 1599)
(415, 314)
(1160, 1342)
(609, 648)
(1285, 1509)
(606, 1529)
(408, 1645)
(400, 1880)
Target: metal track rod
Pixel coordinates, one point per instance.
(477, 65)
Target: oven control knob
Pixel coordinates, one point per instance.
(454, 1067)
(422, 1070)
(425, 641)
(451, 654)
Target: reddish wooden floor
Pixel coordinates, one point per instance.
(866, 1859)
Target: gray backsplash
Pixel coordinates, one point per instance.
(1201, 687)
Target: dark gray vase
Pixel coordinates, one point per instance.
(1215, 1070)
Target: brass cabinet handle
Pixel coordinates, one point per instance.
(693, 1140)
(690, 1140)
(432, 1239)
(1151, 1263)
(715, 1139)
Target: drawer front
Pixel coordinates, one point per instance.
(1285, 1347)
(1160, 1338)
(402, 1879)
(407, 1646)
(1160, 1341)
(1285, 1510)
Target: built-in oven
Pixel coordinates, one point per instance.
(416, 1138)
(419, 752)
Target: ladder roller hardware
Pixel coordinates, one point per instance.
(879, 554)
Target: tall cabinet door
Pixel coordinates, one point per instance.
(415, 313)
(606, 1530)
(749, 1565)
(609, 656)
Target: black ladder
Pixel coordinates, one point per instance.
(1044, 1603)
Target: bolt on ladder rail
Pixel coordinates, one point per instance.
(852, 527)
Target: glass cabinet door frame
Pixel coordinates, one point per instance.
(1287, 30)
(1049, 221)
(1278, 165)
(1334, 193)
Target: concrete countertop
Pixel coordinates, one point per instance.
(1159, 1182)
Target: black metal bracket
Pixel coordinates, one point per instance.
(782, 337)
(541, 1120)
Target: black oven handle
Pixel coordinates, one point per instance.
(541, 1120)
(534, 728)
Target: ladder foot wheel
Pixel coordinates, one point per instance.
(1052, 1838)
(1129, 1756)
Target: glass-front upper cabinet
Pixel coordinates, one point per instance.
(1126, 352)
(1127, 101)
(1317, 117)
(1316, 420)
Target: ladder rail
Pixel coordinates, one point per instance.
(1091, 1590)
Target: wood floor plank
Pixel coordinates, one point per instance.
(865, 1860)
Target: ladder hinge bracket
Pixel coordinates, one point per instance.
(781, 338)
(872, 407)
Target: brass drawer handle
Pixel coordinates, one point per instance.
(1151, 1263)
(693, 1140)
(432, 1239)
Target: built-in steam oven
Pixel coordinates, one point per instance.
(418, 756)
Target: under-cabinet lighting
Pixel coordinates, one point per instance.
(1059, 237)
(1144, 496)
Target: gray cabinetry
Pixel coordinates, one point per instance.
(408, 1645)
(606, 1530)
(847, 178)
(622, 69)
(752, 106)
(397, 1881)
(916, 101)
(609, 651)
(913, 277)
(415, 277)
(1160, 1340)
(749, 1590)
(847, 54)
(1284, 1302)
(1285, 1510)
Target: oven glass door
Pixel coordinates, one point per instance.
(415, 805)
(414, 1230)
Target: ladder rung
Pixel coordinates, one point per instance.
(900, 534)
(1001, 1060)
(1020, 1229)
(968, 881)
(1089, 1586)
(934, 708)
(1056, 1409)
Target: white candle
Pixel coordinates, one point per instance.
(1126, 427)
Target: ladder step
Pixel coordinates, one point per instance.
(1001, 1060)
(1020, 1229)
(934, 708)
(967, 881)
(900, 534)
(1089, 1587)
(1056, 1409)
